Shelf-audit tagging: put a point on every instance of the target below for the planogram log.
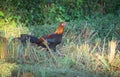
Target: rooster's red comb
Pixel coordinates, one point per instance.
(63, 23)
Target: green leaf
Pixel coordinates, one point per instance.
(1, 14)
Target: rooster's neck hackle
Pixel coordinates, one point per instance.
(59, 30)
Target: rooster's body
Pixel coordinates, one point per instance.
(52, 41)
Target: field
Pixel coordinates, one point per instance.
(90, 48)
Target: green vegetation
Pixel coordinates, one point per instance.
(90, 43)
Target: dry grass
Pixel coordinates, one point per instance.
(112, 51)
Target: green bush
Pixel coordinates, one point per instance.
(38, 12)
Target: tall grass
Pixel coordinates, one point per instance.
(78, 59)
(3, 47)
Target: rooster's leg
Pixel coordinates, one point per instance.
(47, 53)
(54, 49)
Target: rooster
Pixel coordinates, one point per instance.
(53, 39)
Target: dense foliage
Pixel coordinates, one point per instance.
(32, 12)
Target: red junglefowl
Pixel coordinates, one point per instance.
(53, 39)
